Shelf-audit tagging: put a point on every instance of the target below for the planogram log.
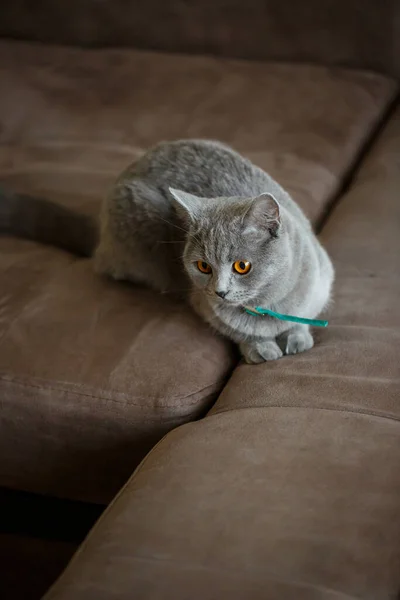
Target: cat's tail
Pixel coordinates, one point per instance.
(45, 221)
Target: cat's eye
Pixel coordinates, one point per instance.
(204, 267)
(241, 266)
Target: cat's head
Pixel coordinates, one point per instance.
(234, 249)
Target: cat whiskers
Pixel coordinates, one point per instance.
(173, 225)
(191, 233)
(169, 242)
(194, 292)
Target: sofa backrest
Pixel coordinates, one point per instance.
(353, 33)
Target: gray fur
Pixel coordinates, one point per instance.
(203, 201)
(194, 200)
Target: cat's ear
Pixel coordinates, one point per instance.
(187, 205)
(262, 214)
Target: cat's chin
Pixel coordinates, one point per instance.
(216, 302)
(224, 302)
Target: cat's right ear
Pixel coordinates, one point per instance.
(187, 205)
(262, 214)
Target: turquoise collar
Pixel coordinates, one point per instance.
(260, 312)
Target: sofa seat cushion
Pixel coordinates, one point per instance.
(290, 488)
(355, 362)
(263, 503)
(93, 373)
(72, 119)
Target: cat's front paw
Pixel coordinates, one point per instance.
(260, 352)
(299, 341)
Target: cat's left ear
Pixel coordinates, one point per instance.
(187, 205)
(262, 214)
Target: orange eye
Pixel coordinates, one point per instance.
(204, 267)
(242, 267)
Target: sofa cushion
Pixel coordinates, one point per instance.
(290, 488)
(93, 373)
(345, 32)
(72, 119)
(354, 364)
(269, 503)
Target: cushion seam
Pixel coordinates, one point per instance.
(110, 399)
(322, 408)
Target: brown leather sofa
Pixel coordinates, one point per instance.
(277, 481)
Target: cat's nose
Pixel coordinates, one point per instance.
(221, 293)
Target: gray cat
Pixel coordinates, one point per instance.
(193, 217)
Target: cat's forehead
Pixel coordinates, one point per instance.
(222, 240)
